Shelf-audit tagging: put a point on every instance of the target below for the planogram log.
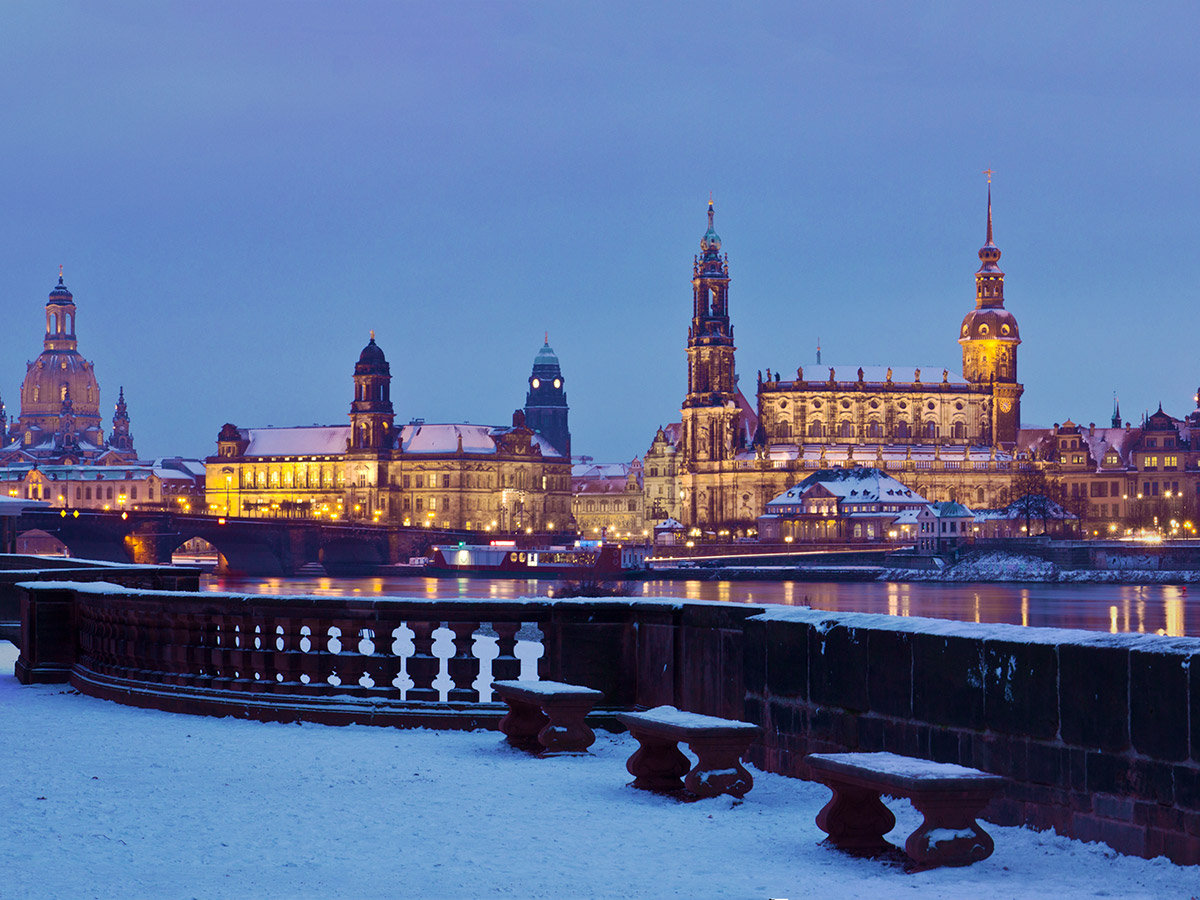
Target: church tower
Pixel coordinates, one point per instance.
(120, 438)
(989, 339)
(372, 419)
(710, 411)
(546, 401)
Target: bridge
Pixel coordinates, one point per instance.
(246, 546)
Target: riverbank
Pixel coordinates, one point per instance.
(1013, 567)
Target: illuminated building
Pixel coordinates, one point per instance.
(946, 436)
(59, 422)
(450, 476)
(609, 500)
(546, 401)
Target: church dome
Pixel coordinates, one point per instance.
(55, 373)
(546, 357)
(60, 294)
(371, 360)
(994, 323)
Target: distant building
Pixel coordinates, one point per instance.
(546, 402)
(944, 527)
(660, 473)
(838, 505)
(448, 476)
(59, 421)
(946, 435)
(609, 500)
(162, 484)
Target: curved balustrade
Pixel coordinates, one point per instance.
(397, 661)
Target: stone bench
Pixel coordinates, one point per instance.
(547, 716)
(948, 796)
(719, 744)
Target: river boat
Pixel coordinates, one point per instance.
(585, 560)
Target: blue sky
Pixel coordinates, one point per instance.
(240, 192)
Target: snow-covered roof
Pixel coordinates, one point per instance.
(670, 524)
(948, 509)
(418, 438)
(14, 506)
(297, 440)
(857, 485)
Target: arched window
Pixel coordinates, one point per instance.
(979, 496)
(845, 429)
(816, 429)
(784, 429)
(902, 430)
(931, 430)
(959, 431)
(874, 430)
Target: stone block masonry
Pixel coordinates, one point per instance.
(1097, 734)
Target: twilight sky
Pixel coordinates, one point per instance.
(239, 192)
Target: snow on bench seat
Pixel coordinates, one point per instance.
(949, 796)
(547, 716)
(719, 744)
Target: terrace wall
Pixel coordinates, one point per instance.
(1099, 734)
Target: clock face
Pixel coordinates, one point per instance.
(536, 383)
(558, 382)
(1005, 405)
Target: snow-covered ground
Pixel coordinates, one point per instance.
(995, 566)
(101, 800)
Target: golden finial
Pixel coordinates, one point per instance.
(372, 334)
(989, 173)
(547, 338)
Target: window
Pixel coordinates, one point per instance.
(816, 429)
(133, 493)
(959, 431)
(79, 491)
(432, 504)
(931, 429)
(1170, 462)
(902, 430)
(420, 504)
(446, 480)
(845, 429)
(407, 480)
(1099, 488)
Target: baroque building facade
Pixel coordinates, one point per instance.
(59, 421)
(949, 435)
(448, 476)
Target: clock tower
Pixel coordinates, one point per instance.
(546, 401)
(989, 337)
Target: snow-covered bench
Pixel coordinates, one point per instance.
(547, 716)
(949, 796)
(658, 765)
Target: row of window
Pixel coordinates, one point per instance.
(846, 429)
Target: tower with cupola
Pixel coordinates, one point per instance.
(372, 419)
(546, 400)
(989, 338)
(120, 437)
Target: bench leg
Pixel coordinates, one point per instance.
(566, 731)
(522, 724)
(856, 819)
(657, 764)
(950, 835)
(718, 769)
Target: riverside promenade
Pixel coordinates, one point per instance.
(119, 802)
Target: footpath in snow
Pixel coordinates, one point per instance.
(106, 801)
(1015, 567)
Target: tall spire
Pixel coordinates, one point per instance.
(1116, 416)
(989, 229)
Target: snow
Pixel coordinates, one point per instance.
(301, 440)
(902, 766)
(999, 566)
(549, 687)
(669, 715)
(103, 800)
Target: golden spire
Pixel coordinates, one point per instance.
(372, 334)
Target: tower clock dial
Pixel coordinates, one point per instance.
(537, 383)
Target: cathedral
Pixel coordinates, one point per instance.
(448, 476)
(946, 432)
(59, 422)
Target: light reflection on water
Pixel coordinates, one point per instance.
(1150, 609)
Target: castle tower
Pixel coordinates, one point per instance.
(120, 438)
(546, 401)
(710, 408)
(989, 337)
(372, 418)
(710, 411)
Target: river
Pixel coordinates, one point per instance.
(1149, 609)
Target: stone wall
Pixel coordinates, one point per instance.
(1099, 734)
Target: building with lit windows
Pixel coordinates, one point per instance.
(948, 433)
(609, 500)
(443, 475)
(59, 421)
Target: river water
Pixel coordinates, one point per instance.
(1149, 609)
